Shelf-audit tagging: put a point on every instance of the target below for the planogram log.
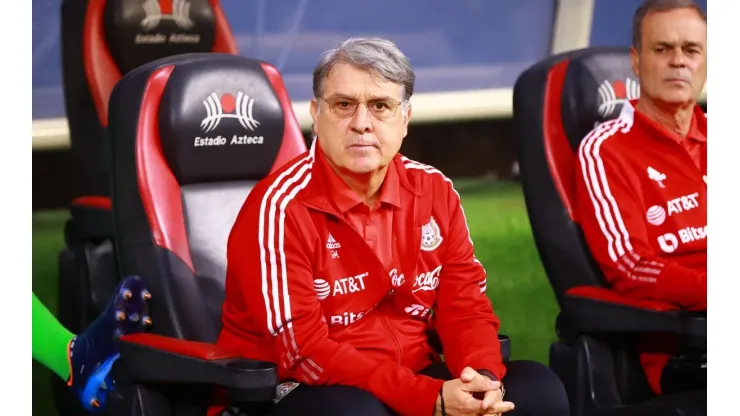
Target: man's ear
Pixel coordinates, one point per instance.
(635, 60)
(406, 116)
(314, 110)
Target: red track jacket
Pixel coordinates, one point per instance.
(304, 290)
(642, 204)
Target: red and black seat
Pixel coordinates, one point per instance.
(105, 39)
(189, 136)
(556, 103)
(101, 41)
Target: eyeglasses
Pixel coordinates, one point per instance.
(380, 108)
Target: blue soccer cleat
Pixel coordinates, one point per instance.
(93, 352)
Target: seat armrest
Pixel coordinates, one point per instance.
(150, 358)
(91, 220)
(591, 309)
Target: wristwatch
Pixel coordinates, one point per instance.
(494, 378)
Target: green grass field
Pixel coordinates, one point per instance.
(496, 215)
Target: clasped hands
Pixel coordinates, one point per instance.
(460, 396)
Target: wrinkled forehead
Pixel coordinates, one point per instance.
(679, 27)
(353, 82)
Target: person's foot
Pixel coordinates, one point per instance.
(92, 353)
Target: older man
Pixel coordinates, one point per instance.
(339, 263)
(642, 183)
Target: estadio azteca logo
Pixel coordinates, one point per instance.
(227, 106)
(615, 93)
(177, 11)
(239, 108)
(155, 11)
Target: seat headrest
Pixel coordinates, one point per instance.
(220, 120)
(214, 117)
(141, 31)
(596, 85)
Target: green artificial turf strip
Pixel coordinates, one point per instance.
(517, 285)
(47, 243)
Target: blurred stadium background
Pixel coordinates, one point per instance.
(467, 55)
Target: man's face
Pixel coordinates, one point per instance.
(672, 65)
(367, 140)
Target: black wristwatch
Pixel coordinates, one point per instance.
(494, 378)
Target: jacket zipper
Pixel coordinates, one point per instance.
(393, 338)
(383, 320)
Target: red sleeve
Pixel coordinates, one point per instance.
(271, 266)
(466, 323)
(613, 224)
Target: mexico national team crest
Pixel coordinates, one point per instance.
(431, 237)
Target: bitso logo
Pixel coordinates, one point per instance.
(668, 242)
(615, 93)
(656, 215)
(227, 106)
(177, 11)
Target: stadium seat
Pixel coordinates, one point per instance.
(556, 103)
(101, 41)
(189, 137)
(104, 39)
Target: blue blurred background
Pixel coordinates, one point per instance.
(454, 46)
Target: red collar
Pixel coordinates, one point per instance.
(697, 131)
(328, 192)
(344, 198)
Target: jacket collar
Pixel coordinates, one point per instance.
(697, 131)
(317, 193)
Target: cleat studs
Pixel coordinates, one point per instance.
(147, 320)
(120, 315)
(127, 294)
(134, 317)
(146, 295)
(94, 403)
(118, 333)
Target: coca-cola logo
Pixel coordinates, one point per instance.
(396, 279)
(428, 280)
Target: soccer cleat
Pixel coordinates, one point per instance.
(93, 352)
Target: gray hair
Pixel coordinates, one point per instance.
(373, 54)
(657, 6)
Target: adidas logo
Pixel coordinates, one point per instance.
(331, 243)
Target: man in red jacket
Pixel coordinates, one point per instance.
(339, 262)
(642, 180)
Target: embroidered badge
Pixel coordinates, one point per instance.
(431, 237)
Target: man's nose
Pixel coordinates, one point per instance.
(678, 59)
(361, 120)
